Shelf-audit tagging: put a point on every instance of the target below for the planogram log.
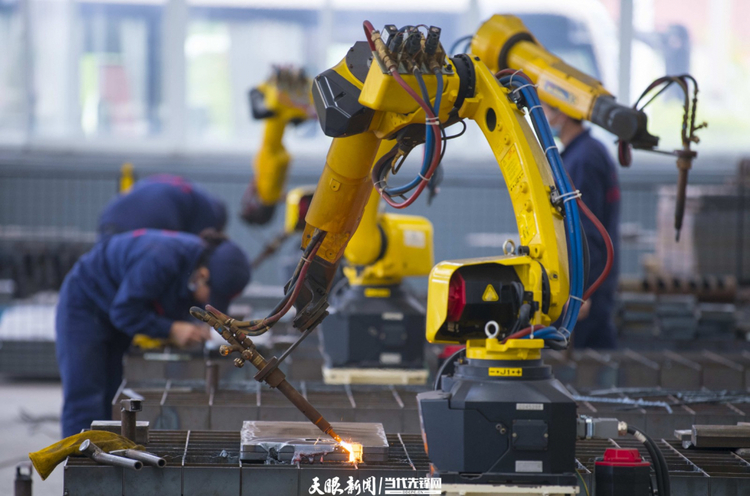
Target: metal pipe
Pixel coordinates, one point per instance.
(128, 425)
(22, 486)
(95, 453)
(212, 377)
(626, 47)
(307, 409)
(142, 456)
(128, 410)
(267, 371)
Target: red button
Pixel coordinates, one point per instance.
(629, 457)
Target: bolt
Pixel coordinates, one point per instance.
(515, 434)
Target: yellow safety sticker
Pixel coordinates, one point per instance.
(510, 165)
(377, 292)
(490, 294)
(506, 372)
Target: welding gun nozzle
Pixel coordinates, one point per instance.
(199, 313)
(335, 436)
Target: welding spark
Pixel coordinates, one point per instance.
(354, 449)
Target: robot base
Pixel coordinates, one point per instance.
(374, 327)
(500, 422)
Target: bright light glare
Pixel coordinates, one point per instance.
(355, 451)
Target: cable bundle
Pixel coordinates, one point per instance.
(526, 95)
(258, 327)
(433, 136)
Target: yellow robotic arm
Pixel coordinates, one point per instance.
(503, 42)
(360, 107)
(283, 99)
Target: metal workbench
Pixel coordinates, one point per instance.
(186, 405)
(207, 462)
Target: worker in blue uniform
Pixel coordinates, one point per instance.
(163, 201)
(594, 174)
(139, 282)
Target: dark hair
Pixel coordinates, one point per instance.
(212, 238)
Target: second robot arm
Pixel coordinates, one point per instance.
(281, 100)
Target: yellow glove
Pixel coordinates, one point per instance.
(47, 459)
(148, 343)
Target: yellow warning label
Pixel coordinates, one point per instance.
(510, 165)
(506, 372)
(490, 294)
(377, 292)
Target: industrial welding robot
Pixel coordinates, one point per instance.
(493, 299)
(501, 418)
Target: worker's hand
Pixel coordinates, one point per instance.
(185, 334)
(585, 309)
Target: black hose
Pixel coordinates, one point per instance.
(442, 368)
(665, 471)
(660, 464)
(462, 39)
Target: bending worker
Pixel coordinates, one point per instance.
(140, 282)
(593, 173)
(163, 201)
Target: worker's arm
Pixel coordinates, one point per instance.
(281, 100)
(503, 42)
(133, 309)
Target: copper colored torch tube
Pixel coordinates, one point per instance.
(267, 372)
(307, 409)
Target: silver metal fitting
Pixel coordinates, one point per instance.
(142, 456)
(598, 428)
(95, 453)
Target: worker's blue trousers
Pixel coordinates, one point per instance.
(89, 353)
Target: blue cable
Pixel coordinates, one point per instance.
(429, 143)
(429, 139)
(439, 96)
(547, 333)
(572, 216)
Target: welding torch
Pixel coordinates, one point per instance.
(268, 370)
(688, 136)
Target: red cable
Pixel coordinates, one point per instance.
(295, 292)
(369, 29)
(524, 332)
(436, 151)
(610, 250)
(513, 73)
